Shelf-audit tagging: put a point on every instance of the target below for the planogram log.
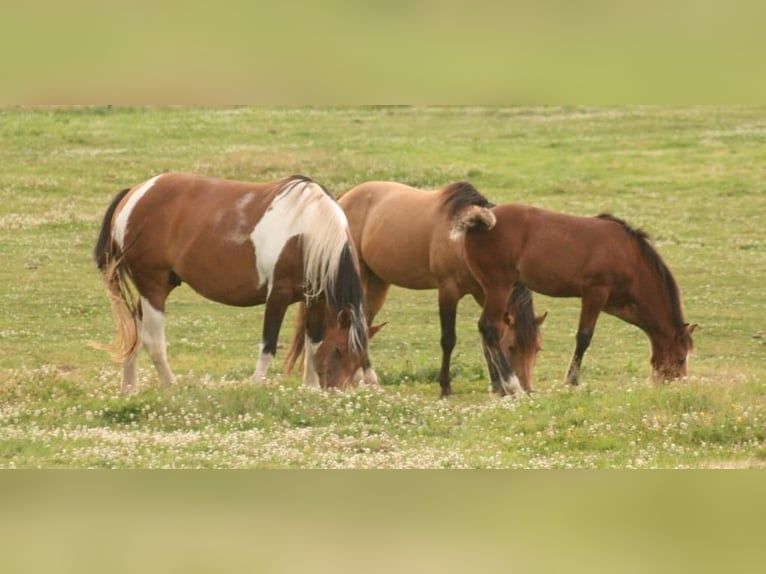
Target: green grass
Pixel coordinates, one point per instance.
(693, 177)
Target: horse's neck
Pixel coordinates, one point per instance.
(656, 309)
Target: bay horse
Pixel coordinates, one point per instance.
(237, 243)
(605, 262)
(402, 236)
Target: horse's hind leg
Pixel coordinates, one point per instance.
(153, 332)
(129, 364)
(592, 304)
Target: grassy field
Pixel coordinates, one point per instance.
(694, 178)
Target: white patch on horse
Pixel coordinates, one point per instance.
(241, 232)
(123, 217)
(512, 386)
(370, 378)
(153, 335)
(264, 360)
(299, 209)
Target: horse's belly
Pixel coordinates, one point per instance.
(406, 277)
(227, 287)
(222, 273)
(548, 282)
(243, 296)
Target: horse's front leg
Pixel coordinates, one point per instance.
(447, 317)
(276, 307)
(592, 304)
(490, 324)
(375, 293)
(494, 374)
(315, 324)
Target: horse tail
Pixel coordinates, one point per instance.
(104, 241)
(473, 217)
(109, 260)
(299, 340)
(457, 196)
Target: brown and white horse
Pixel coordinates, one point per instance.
(402, 236)
(236, 243)
(609, 265)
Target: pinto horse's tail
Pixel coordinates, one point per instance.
(109, 260)
(473, 217)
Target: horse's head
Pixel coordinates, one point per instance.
(342, 352)
(670, 358)
(522, 342)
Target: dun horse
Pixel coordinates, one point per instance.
(611, 266)
(402, 235)
(240, 244)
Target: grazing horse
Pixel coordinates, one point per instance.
(236, 243)
(402, 236)
(611, 266)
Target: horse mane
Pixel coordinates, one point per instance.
(345, 293)
(330, 265)
(655, 263)
(460, 195)
(299, 178)
(523, 311)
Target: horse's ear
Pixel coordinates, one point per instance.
(541, 319)
(509, 319)
(689, 329)
(374, 329)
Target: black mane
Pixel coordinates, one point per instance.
(656, 263)
(299, 178)
(346, 294)
(523, 312)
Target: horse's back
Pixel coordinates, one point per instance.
(198, 229)
(400, 232)
(555, 253)
(389, 202)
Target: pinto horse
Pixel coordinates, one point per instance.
(402, 235)
(236, 243)
(611, 266)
